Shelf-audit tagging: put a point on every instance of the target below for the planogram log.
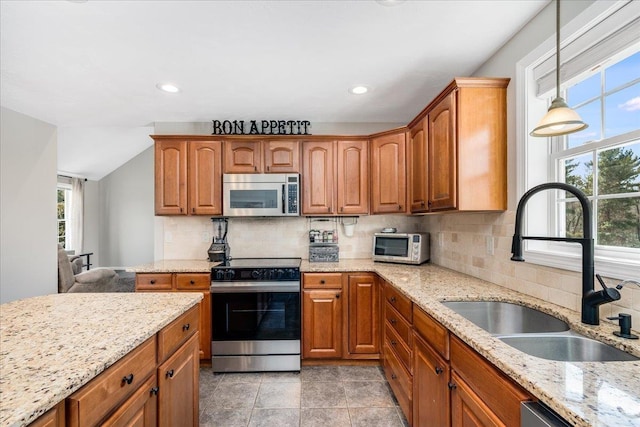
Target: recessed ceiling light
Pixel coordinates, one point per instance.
(168, 87)
(359, 90)
(390, 3)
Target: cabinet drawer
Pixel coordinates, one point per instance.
(322, 280)
(89, 405)
(398, 301)
(142, 405)
(398, 323)
(401, 349)
(196, 281)
(433, 332)
(172, 336)
(400, 381)
(154, 282)
(494, 388)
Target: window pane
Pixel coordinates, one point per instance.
(619, 170)
(572, 218)
(578, 171)
(622, 111)
(619, 222)
(585, 90)
(622, 72)
(591, 115)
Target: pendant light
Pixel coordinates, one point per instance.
(560, 119)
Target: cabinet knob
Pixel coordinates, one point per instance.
(337, 296)
(169, 374)
(393, 376)
(393, 343)
(322, 282)
(329, 209)
(186, 327)
(192, 282)
(439, 370)
(268, 168)
(193, 210)
(127, 379)
(153, 282)
(452, 386)
(399, 207)
(393, 321)
(180, 210)
(392, 299)
(255, 168)
(154, 390)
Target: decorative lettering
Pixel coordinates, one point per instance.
(262, 127)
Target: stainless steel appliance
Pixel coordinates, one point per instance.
(255, 306)
(219, 249)
(261, 194)
(404, 248)
(535, 414)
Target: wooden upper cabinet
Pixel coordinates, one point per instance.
(242, 156)
(388, 173)
(417, 168)
(205, 177)
(353, 177)
(442, 155)
(281, 157)
(317, 177)
(170, 177)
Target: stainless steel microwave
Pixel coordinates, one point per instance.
(404, 248)
(273, 194)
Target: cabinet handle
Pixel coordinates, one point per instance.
(392, 300)
(452, 386)
(255, 168)
(192, 282)
(170, 374)
(393, 321)
(186, 327)
(393, 376)
(393, 343)
(127, 379)
(153, 282)
(399, 207)
(322, 282)
(193, 210)
(180, 210)
(268, 168)
(439, 370)
(154, 391)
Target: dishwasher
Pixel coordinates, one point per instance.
(535, 414)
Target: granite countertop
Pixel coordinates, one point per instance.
(52, 345)
(585, 394)
(175, 266)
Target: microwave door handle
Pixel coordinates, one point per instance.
(283, 197)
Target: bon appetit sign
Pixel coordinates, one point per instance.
(261, 127)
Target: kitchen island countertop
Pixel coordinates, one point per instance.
(52, 345)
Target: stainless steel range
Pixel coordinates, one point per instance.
(255, 307)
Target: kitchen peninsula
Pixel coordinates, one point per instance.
(584, 393)
(52, 345)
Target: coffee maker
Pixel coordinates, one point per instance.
(219, 249)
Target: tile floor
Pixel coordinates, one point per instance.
(324, 396)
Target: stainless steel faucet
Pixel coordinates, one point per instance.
(591, 299)
(627, 282)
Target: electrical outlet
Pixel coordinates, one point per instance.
(489, 242)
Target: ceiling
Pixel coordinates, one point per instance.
(95, 64)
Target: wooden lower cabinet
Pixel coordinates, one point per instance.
(140, 410)
(322, 323)
(54, 417)
(184, 282)
(430, 386)
(363, 317)
(178, 384)
(468, 409)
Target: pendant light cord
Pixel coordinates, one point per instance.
(557, 48)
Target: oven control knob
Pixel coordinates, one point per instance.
(230, 274)
(220, 275)
(291, 274)
(256, 274)
(279, 274)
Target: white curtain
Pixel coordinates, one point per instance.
(77, 214)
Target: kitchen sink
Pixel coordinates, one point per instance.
(503, 318)
(566, 348)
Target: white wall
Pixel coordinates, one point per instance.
(28, 248)
(91, 226)
(126, 213)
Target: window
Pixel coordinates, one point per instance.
(600, 79)
(64, 214)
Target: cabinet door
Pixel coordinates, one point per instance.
(178, 384)
(388, 188)
(170, 177)
(467, 409)
(353, 177)
(442, 155)
(242, 156)
(54, 417)
(418, 164)
(140, 410)
(322, 324)
(430, 386)
(364, 303)
(282, 157)
(205, 177)
(317, 177)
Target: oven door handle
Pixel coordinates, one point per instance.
(245, 287)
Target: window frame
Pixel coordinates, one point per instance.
(614, 262)
(66, 187)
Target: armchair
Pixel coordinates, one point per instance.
(96, 280)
